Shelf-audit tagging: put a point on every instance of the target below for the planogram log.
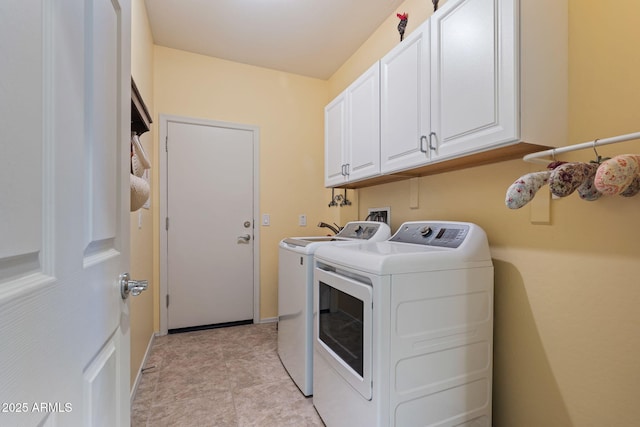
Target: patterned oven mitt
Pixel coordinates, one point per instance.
(615, 175)
(588, 191)
(525, 188)
(566, 178)
(633, 188)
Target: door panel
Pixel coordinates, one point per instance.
(99, 382)
(102, 119)
(64, 223)
(404, 106)
(335, 131)
(474, 92)
(364, 125)
(209, 199)
(20, 211)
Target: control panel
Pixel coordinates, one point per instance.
(431, 234)
(359, 230)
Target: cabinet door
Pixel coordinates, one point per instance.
(335, 137)
(405, 109)
(474, 69)
(363, 118)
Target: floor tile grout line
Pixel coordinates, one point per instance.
(257, 337)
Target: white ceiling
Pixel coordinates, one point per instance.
(308, 37)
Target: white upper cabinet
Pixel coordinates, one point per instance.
(352, 131)
(335, 136)
(363, 116)
(474, 76)
(480, 81)
(450, 88)
(405, 102)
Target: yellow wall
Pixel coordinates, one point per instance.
(288, 109)
(566, 293)
(379, 43)
(142, 266)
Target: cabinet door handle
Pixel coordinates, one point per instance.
(431, 147)
(346, 169)
(423, 139)
(342, 172)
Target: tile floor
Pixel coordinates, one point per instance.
(220, 377)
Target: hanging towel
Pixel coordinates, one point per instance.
(139, 192)
(139, 160)
(139, 186)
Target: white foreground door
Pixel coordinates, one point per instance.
(210, 236)
(64, 174)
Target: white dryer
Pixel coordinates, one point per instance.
(295, 295)
(403, 329)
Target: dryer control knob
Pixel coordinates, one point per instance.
(426, 231)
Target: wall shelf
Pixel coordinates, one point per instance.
(140, 117)
(509, 152)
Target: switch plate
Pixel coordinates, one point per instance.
(266, 219)
(302, 220)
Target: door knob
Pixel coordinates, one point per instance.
(244, 238)
(133, 287)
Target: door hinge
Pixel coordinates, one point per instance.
(166, 144)
(166, 224)
(167, 300)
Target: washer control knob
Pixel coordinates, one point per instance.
(426, 231)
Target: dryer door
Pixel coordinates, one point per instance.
(343, 326)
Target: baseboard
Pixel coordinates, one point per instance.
(211, 326)
(268, 320)
(134, 388)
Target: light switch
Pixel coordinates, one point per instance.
(266, 219)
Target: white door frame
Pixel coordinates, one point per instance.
(162, 170)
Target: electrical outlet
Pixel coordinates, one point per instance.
(302, 220)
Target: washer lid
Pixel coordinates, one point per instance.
(306, 241)
(355, 231)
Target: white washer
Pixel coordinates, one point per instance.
(403, 329)
(295, 295)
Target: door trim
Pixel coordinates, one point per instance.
(162, 170)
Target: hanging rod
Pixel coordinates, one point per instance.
(536, 157)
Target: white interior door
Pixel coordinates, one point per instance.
(210, 235)
(64, 221)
